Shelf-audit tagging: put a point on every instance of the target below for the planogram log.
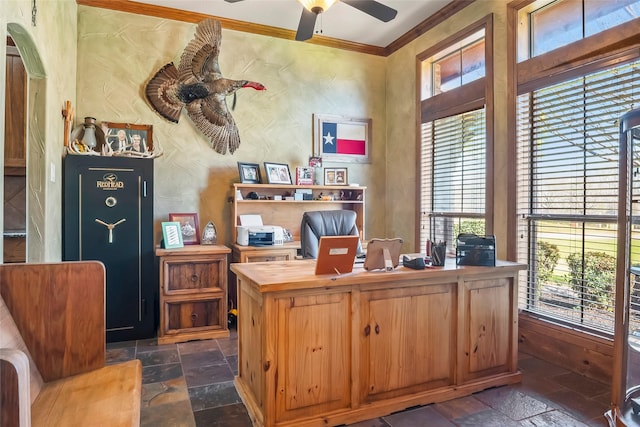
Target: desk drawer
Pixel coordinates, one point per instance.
(199, 314)
(194, 276)
(269, 255)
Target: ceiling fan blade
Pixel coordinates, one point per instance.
(373, 8)
(306, 25)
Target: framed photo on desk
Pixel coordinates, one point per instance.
(172, 238)
(304, 175)
(277, 173)
(249, 173)
(189, 227)
(335, 176)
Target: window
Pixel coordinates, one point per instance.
(453, 171)
(454, 138)
(458, 68)
(560, 23)
(567, 141)
(460, 63)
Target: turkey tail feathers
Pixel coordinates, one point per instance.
(159, 95)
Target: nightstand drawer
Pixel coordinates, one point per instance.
(204, 275)
(186, 315)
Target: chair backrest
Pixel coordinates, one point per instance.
(316, 224)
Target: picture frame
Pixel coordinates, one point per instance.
(209, 234)
(336, 176)
(189, 227)
(128, 136)
(277, 173)
(249, 173)
(315, 162)
(304, 175)
(171, 235)
(342, 139)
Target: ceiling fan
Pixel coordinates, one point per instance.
(312, 8)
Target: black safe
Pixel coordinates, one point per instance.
(108, 216)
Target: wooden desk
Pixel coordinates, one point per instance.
(329, 350)
(241, 253)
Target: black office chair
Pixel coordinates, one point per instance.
(316, 224)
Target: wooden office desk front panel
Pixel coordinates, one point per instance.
(330, 350)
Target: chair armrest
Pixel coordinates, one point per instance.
(20, 362)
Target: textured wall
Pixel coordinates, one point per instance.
(48, 50)
(402, 119)
(118, 52)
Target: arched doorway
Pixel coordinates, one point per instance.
(15, 158)
(34, 143)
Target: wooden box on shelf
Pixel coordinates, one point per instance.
(193, 293)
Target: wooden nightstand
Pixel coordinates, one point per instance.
(193, 293)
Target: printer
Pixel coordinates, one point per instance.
(260, 235)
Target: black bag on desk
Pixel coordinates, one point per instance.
(472, 249)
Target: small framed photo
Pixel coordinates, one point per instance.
(189, 228)
(249, 173)
(304, 175)
(128, 137)
(315, 162)
(277, 173)
(171, 235)
(335, 176)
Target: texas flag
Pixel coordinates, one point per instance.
(343, 138)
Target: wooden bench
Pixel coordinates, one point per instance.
(52, 341)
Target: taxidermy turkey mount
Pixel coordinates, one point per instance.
(197, 85)
(313, 8)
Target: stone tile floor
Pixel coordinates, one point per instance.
(191, 384)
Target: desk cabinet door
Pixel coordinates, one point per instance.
(488, 327)
(314, 357)
(407, 339)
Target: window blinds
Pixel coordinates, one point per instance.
(567, 194)
(453, 176)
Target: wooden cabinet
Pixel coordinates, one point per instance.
(489, 328)
(314, 355)
(326, 350)
(288, 213)
(400, 327)
(193, 293)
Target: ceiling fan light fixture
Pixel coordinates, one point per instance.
(317, 6)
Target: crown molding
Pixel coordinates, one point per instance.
(265, 30)
(437, 18)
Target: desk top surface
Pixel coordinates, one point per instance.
(293, 275)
